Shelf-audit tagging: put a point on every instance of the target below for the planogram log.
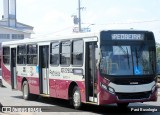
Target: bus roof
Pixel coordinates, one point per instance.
(63, 37)
(57, 37)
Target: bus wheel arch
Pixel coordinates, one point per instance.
(74, 95)
(24, 79)
(26, 92)
(70, 91)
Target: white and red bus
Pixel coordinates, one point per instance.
(113, 66)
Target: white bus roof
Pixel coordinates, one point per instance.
(62, 37)
(54, 38)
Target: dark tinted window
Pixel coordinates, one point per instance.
(77, 52)
(65, 53)
(21, 54)
(54, 53)
(32, 54)
(6, 55)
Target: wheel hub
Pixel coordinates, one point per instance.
(25, 92)
(76, 98)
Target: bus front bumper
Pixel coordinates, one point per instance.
(110, 98)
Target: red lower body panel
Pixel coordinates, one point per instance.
(108, 98)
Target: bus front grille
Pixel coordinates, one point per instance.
(141, 95)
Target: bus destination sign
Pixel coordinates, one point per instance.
(127, 36)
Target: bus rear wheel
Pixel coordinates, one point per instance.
(26, 93)
(25, 90)
(1, 83)
(76, 98)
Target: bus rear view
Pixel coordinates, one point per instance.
(127, 67)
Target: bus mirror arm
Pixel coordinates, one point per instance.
(158, 73)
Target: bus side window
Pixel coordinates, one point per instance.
(21, 54)
(77, 54)
(54, 54)
(65, 54)
(6, 55)
(32, 54)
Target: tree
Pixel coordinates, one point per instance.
(158, 57)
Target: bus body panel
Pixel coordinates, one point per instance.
(33, 84)
(60, 88)
(19, 82)
(81, 85)
(52, 87)
(6, 74)
(60, 79)
(30, 73)
(132, 88)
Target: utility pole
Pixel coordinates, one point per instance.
(79, 14)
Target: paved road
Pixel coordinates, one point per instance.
(14, 98)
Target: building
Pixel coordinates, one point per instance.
(10, 29)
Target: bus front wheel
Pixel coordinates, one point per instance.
(76, 98)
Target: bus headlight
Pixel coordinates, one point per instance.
(111, 90)
(104, 86)
(107, 88)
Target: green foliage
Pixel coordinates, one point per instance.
(158, 57)
(158, 53)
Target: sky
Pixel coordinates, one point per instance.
(54, 17)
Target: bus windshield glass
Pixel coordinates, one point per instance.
(127, 59)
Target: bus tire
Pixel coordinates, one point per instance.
(76, 98)
(1, 83)
(122, 105)
(25, 91)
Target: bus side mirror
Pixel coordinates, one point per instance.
(158, 73)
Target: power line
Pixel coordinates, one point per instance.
(147, 21)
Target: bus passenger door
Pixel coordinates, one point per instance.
(90, 72)
(13, 69)
(43, 69)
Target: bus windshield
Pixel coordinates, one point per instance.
(127, 60)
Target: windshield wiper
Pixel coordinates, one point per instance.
(126, 53)
(128, 58)
(139, 52)
(136, 56)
